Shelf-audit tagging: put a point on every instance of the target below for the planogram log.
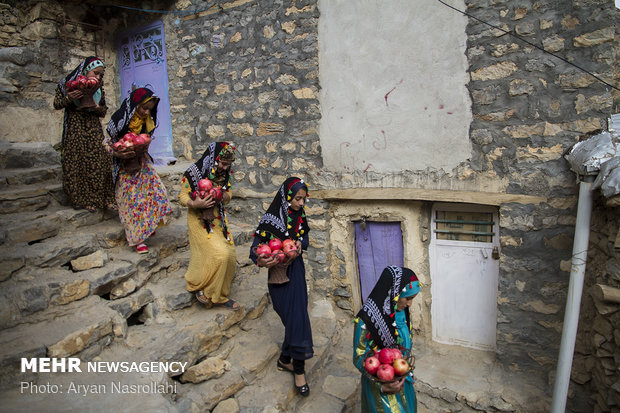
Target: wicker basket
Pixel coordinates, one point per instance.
(277, 274)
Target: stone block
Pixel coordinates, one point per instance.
(210, 368)
(340, 387)
(123, 289)
(102, 280)
(58, 251)
(130, 305)
(265, 129)
(595, 38)
(72, 291)
(87, 262)
(241, 129)
(494, 72)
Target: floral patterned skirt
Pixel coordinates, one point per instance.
(142, 203)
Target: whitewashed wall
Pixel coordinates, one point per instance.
(393, 76)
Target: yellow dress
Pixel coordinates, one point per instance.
(212, 258)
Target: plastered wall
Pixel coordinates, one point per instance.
(393, 78)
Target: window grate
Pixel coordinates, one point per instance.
(464, 226)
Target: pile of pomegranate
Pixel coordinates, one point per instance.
(133, 141)
(277, 248)
(88, 85)
(386, 365)
(206, 188)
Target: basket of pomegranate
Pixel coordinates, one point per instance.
(132, 141)
(281, 250)
(206, 188)
(88, 85)
(277, 248)
(387, 365)
(136, 143)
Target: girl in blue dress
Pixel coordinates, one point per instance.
(382, 322)
(286, 219)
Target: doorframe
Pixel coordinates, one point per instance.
(444, 206)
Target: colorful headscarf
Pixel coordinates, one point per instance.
(206, 167)
(119, 122)
(378, 310)
(280, 220)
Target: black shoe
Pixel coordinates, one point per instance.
(304, 390)
(282, 367)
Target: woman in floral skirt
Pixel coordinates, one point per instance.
(140, 194)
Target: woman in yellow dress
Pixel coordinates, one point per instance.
(212, 250)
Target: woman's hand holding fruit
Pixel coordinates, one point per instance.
(75, 94)
(393, 387)
(202, 202)
(267, 261)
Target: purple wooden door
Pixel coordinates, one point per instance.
(142, 63)
(377, 244)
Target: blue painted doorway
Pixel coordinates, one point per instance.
(142, 63)
(377, 245)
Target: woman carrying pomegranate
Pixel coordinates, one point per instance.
(285, 219)
(140, 194)
(212, 250)
(383, 324)
(86, 166)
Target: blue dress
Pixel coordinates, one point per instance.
(373, 400)
(290, 301)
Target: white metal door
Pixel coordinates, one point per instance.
(464, 256)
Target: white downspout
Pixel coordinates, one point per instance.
(573, 300)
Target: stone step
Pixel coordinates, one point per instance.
(80, 329)
(338, 384)
(31, 197)
(112, 273)
(27, 155)
(10, 178)
(52, 252)
(274, 389)
(34, 226)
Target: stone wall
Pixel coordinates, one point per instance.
(33, 58)
(248, 74)
(529, 107)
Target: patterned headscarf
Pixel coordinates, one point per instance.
(118, 125)
(378, 310)
(119, 122)
(280, 220)
(206, 167)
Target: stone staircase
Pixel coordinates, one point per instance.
(71, 287)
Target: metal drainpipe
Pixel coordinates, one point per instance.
(573, 300)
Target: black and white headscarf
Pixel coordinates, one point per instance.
(118, 125)
(280, 221)
(378, 310)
